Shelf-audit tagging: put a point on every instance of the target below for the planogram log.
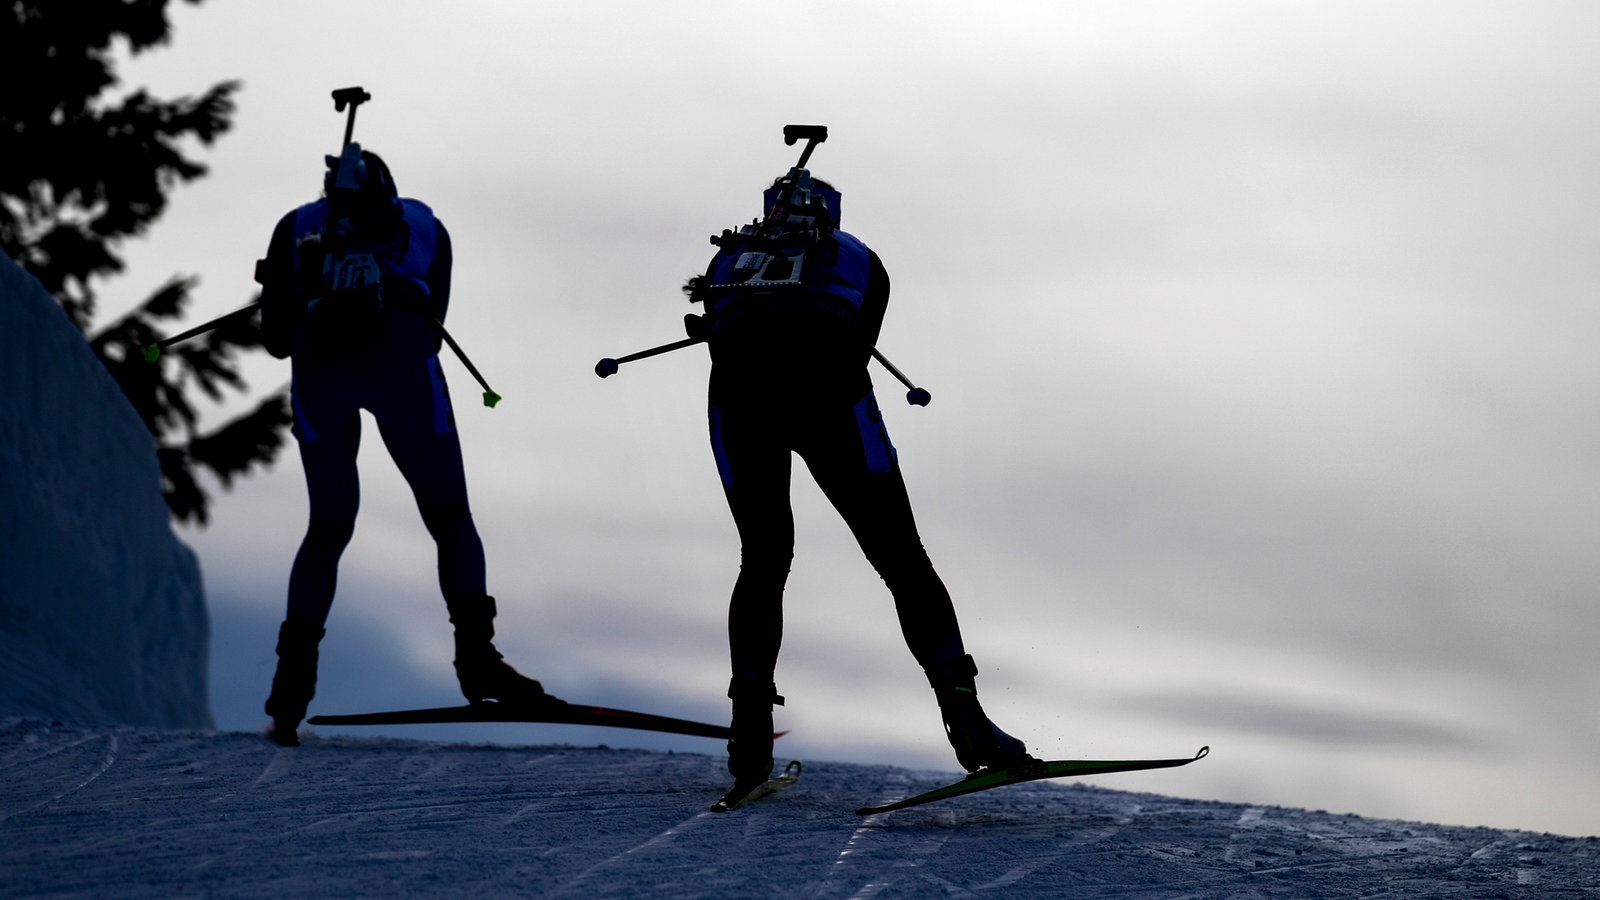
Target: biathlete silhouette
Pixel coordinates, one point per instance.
(793, 306)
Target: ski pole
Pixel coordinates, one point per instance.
(152, 352)
(916, 396)
(490, 398)
(608, 366)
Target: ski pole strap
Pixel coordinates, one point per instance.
(152, 352)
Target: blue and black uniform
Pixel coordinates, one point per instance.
(789, 377)
(349, 354)
(355, 288)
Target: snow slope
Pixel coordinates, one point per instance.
(144, 812)
(102, 617)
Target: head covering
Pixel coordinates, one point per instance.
(820, 193)
(359, 172)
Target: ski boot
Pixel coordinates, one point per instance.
(978, 742)
(750, 758)
(483, 673)
(295, 681)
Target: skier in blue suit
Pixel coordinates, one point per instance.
(354, 287)
(789, 376)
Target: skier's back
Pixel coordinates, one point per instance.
(355, 286)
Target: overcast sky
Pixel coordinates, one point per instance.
(1260, 338)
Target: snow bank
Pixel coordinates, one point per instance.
(102, 616)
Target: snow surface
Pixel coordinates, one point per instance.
(102, 617)
(147, 812)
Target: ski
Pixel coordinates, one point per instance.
(557, 712)
(742, 794)
(1032, 770)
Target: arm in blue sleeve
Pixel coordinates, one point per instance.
(875, 303)
(439, 274)
(283, 307)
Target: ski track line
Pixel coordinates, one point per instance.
(1526, 876)
(653, 842)
(412, 769)
(113, 747)
(280, 763)
(1256, 817)
(697, 819)
(898, 783)
(854, 848)
(546, 798)
(272, 771)
(26, 759)
(354, 815)
(1074, 846)
(910, 861)
(1208, 885)
(1017, 873)
(850, 850)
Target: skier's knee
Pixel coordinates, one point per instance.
(770, 560)
(443, 521)
(899, 561)
(333, 533)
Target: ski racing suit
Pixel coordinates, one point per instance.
(789, 376)
(351, 350)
